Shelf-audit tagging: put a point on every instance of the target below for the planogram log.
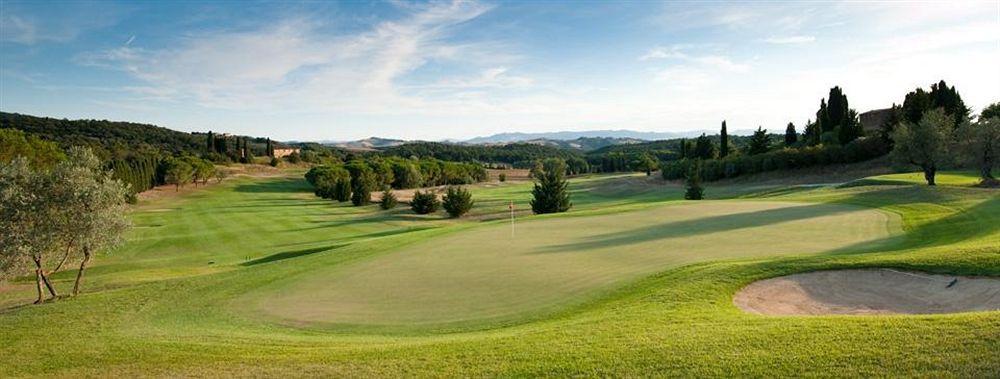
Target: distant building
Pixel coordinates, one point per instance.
(281, 153)
(873, 120)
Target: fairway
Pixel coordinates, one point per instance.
(484, 273)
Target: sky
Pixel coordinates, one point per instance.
(460, 69)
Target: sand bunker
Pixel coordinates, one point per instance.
(869, 291)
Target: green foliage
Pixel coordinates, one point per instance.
(760, 142)
(704, 148)
(550, 194)
(517, 154)
(424, 202)
(791, 136)
(75, 208)
(723, 141)
(919, 102)
(991, 111)
(274, 162)
(837, 118)
(788, 158)
(388, 200)
(644, 162)
(330, 182)
(41, 154)
(693, 189)
(457, 201)
(363, 181)
(178, 172)
(978, 145)
(925, 143)
(502, 177)
(294, 157)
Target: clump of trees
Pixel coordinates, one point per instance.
(550, 194)
(356, 179)
(936, 140)
(424, 202)
(457, 201)
(49, 217)
(180, 171)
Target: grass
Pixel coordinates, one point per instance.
(183, 297)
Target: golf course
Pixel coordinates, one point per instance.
(257, 276)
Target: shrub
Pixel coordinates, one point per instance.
(424, 203)
(388, 200)
(457, 201)
(503, 177)
(274, 162)
(694, 189)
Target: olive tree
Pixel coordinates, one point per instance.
(925, 143)
(978, 144)
(75, 210)
(91, 207)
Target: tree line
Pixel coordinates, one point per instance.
(356, 179)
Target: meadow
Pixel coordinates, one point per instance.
(256, 276)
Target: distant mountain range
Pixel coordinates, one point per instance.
(581, 140)
(573, 135)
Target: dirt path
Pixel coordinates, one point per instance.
(869, 291)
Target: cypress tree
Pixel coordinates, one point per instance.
(724, 141)
(683, 148)
(791, 136)
(210, 142)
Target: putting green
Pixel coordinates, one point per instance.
(484, 274)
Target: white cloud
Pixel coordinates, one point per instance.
(790, 40)
(293, 65)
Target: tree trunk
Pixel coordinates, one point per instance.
(40, 271)
(83, 266)
(69, 249)
(38, 282)
(929, 172)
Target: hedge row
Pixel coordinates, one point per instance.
(789, 158)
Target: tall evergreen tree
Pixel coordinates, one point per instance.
(682, 148)
(791, 136)
(269, 150)
(723, 141)
(704, 148)
(760, 142)
(812, 133)
(210, 142)
(550, 191)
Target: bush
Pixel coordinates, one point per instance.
(274, 162)
(503, 177)
(550, 194)
(293, 158)
(424, 203)
(388, 200)
(694, 189)
(457, 201)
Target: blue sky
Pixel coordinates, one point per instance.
(436, 70)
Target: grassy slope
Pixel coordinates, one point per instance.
(159, 307)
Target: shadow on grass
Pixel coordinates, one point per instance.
(281, 185)
(707, 225)
(291, 254)
(962, 224)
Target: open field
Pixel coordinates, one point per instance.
(256, 276)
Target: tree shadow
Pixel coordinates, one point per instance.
(979, 220)
(282, 185)
(291, 254)
(707, 225)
